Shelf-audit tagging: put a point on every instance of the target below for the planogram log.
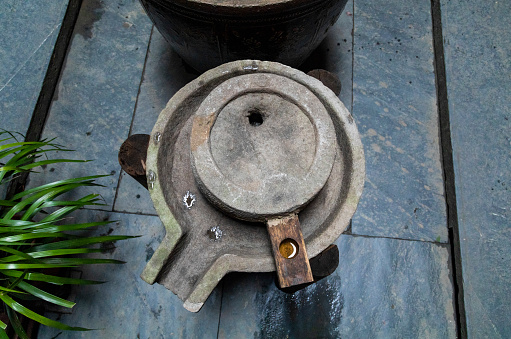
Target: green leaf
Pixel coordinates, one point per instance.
(79, 261)
(27, 236)
(18, 280)
(41, 198)
(33, 276)
(73, 227)
(15, 252)
(5, 243)
(51, 253)
(30, 266)
(12, 136)
(25, 154)
(21, 148)
(9, 290)
(21, 143)
(20, 206)
(16, 324)
(79, 202)
(16, 223)
(48, 162)
(37, 317)
(60, 213)
(57, 262)
(3, 325)
(7, 203)
(80, 242)
(85, 180)
(3, 335)
(45, 295)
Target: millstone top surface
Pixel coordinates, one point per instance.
(261, 135)
(262, 145)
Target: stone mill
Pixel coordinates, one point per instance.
(252, 167)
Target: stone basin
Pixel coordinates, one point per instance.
(202, 243)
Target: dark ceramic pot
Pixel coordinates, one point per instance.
(208, 33)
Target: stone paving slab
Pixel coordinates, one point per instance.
(93, 105)
(24, 56)
(126, 306)
(477, 51)
(394, 105)
(383, 288)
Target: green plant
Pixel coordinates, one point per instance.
(36, 233)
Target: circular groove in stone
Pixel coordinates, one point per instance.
(258, 171)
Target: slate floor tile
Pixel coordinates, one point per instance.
(477, 53)
(24, 56)
(335, 54)
(394, 105)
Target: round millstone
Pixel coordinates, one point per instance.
(242, 247)
(262, 145)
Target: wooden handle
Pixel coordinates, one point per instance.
(289, 251)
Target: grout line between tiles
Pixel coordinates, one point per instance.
(220, 311)
(134, 112)
(448, 168)
(119, 212)
(141, 79)
(392, 238)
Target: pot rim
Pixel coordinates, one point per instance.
(237, 7)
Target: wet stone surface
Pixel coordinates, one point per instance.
(382, 288)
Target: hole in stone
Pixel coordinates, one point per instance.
(255, 118)
(288, 248)
(189, 200)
